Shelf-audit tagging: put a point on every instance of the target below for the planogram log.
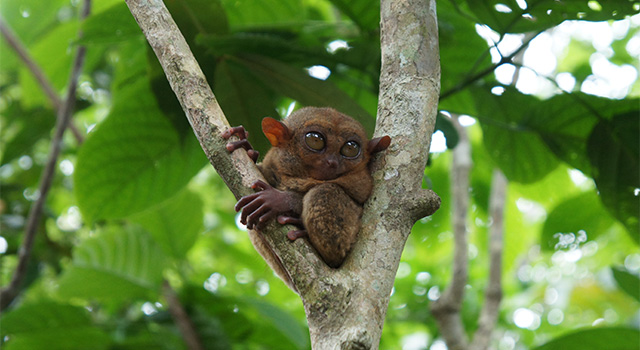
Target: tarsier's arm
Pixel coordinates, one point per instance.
(268, 202)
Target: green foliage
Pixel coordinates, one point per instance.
(132, 210)
(596, 339)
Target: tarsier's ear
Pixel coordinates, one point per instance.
(378, 144)
(275, 131)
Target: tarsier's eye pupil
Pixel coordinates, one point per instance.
(350, 149)
(314, 140)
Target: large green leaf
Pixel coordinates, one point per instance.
(244, 14)
(53, 53)
(596, 339)
(628, 282)
(298, 85)
(47, 325)
(365, 13)
(117, 265)
(174, 223)
(112, 25)
(244, 100)
(615, 156)
(583, 212)
(516, 148)
(27, 128)
(565, 122)
(134, 159)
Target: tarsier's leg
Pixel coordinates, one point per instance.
(332, 221)
(242, 143)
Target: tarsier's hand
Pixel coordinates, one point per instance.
(266, 204)
(242, 143)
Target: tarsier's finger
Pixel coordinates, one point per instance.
(253, 154)
(293, 235)
(245, 200)
(237, 130)
(244, 143)
(260, 185)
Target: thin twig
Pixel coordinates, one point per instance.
(447, 308)
(493, 294)
(507, 59)
(181, 318)
(46, 86)
(9, 293)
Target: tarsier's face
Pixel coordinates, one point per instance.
(330, 151)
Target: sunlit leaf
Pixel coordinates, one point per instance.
(596, 339)
(628, 282)
(112, 25)
(134, 159)
(365, 13)
(47, 325)
(117, 265)
(518, 150)
(583, 212)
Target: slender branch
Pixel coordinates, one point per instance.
(46, 86)
(447, 308)
(506, 59)
(181, 318)
(493, 294)
(9, 293)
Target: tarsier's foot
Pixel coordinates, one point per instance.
(284, 220)
(242, 134)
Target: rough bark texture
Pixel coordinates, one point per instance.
(345, 307)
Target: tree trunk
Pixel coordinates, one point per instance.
(345, 307)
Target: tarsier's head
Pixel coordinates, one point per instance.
(328, 143)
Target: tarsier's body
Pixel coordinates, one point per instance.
(318, 178)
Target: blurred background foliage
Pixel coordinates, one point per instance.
(547, 91)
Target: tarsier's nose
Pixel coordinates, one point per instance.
(332, 162)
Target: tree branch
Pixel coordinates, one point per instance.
(493, 294)
(181, 318)
(9, 293)
(336, 301)
(447, 308)
(41, 78)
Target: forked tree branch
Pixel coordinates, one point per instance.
(345, 307)
(9, 293)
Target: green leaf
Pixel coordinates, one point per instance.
(540, 15)
(53, 53)
(134, 159)
(628, 282)
(596, 339)
(175, 223)
(117, 265)
(198, 17)
(244, 100)
(112, 25)
(284, 322)
(262, 14)
(51, 326)
(583, 212)
(565, 122)
(444, 124)
(615, 157)
(299, 85)
(517, 149)
(364, 13)
(29, 126)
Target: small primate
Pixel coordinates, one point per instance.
(318, 178)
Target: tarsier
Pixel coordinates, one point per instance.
(318, 178)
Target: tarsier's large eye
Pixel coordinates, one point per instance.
(351, 149)
(315, 141)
